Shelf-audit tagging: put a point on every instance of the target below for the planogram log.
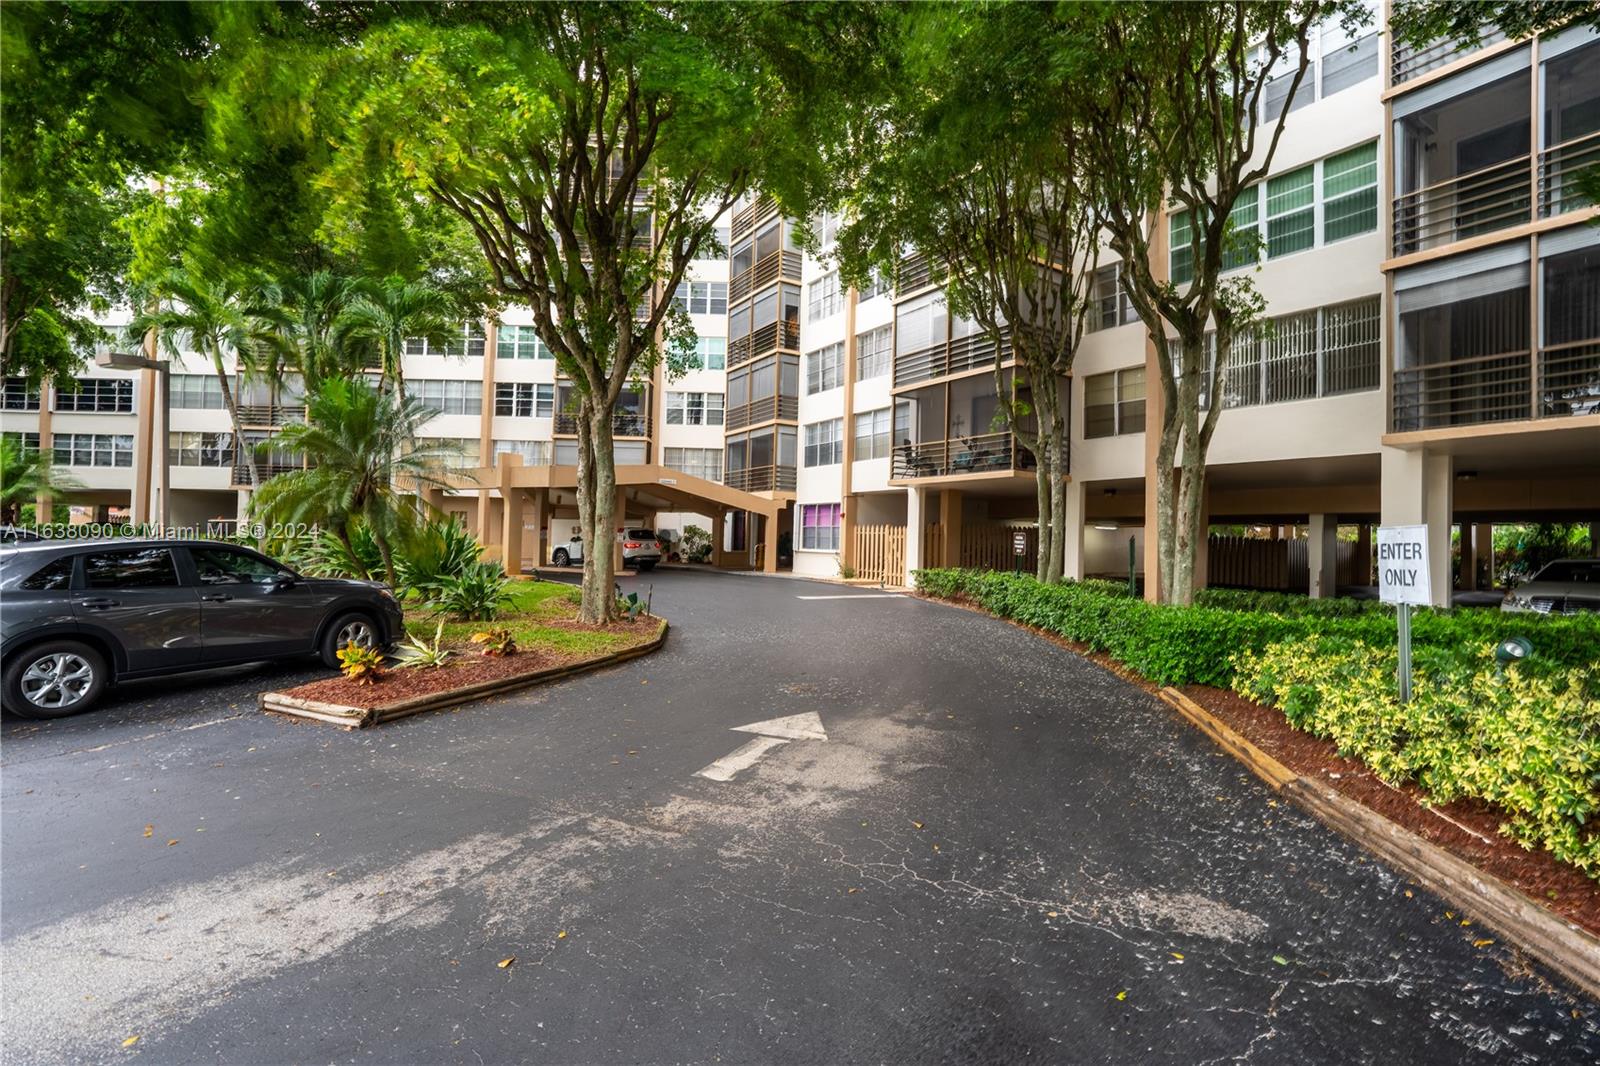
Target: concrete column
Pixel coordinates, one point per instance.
(772, 528)
(1417, 489)
(432, 498)
(144, 464)
(847, 521)
(916, 522)
(619, 517)
(511, 531)
(540, 548)
(1322, 555)
(1364, 553)
(950, 524)
(719, 535)
(1072, 557)
(1469, 557)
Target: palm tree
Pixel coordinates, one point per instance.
(219, 317)
(386, 312)
(310, 342)
(358, 442)
(25, 475)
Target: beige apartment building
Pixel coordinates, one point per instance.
(1432, 276)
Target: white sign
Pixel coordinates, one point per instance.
(1403, 565)
(1019, 543)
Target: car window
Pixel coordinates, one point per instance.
(137, 568)
(55, 575)
(223, 566)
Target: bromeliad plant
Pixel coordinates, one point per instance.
(361, 664)
(496, 642)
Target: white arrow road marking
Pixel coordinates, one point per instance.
(857, 596)
(774, 732)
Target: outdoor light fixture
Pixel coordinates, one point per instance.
(1512, 650)
(1112, 528)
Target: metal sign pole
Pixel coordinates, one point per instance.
(1405, 652)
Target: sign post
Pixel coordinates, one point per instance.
(1403, 580)
(1019, 548)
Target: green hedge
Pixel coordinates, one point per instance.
(1196, 645)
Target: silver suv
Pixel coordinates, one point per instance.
(640, 548)
(78, 616)
(1566, 586)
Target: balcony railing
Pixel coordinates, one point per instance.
(1559, 167)
(1482, 201)
(239, 473)
(758, 411)
(763, 340)
(764, 273)
(952, 357)
(623, 424)
(1569, 380)
(985, 454)
(760, 479)
(913, 273)
(270, 414)
(1406, 62)
(1464, 392)
(745, 220)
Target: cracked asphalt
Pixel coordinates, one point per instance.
(1002, 853)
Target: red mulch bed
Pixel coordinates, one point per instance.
(460, 671)
(1468, 829)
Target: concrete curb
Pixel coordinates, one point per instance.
(359, 718)
(1564, 947)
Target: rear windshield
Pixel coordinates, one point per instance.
(641, 534)
(1571, 570)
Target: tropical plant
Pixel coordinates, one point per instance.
(496, 642)
(361, 664)
(630, 606)
(424, 653)
(475, 595)
(224, 320)
(26, 474)
(696, 544)
(311, 340)
(325, 554)
(360, 446)
(385, 313)
(441, 549)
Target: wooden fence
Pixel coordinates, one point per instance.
(989, 546)
(880, 553)
(1249, 563)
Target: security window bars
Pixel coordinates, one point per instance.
(448, 396)
(1321, 352)
(93, 449)
(825, 443)
(1113, 403)
(1291, 212)
(106, 395)
(1350, 193)
(872, 436)
(819, 526)
(874, 353)
(18, 396)
(524, 399)
(825, 369)
(825, 297)
(696, 462)
(520, 342)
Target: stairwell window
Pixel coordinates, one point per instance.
(819, 527)
(1113, 403)
(711, 353)
(825, 443)
(702, 297)
(520, 342)
(524, 399)
(694, 408)
(1111, 304)
(696, 462)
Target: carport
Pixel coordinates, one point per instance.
(518, 502)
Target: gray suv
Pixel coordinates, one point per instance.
(77, 616)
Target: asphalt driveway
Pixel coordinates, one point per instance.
(999, 853)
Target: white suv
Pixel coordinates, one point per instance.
(1566, 586)
(640, 548)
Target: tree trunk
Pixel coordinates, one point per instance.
(597, 491)
(240, 447)
(388, 556)
(1042, 485)
(342, 531)
(1058, 506)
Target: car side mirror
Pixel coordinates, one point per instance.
(278, 582)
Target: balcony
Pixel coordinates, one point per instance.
(1406, 62)
(762, 340)
(1485, 200)
(270, 414)
(914, 272)
(956, 356)
(782, 408)
(623, 424)
(1559, 167)
(764, 273)
(761, 479)
(746, 218)
(988, 453)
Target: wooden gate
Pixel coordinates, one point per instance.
(881, 554)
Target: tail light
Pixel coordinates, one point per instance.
(631, 544)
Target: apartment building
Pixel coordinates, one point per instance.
(1431, 274)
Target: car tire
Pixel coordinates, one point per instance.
(561, 557)
(346, 627)
(34, 669)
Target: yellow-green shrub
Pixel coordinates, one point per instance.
(1527, 743)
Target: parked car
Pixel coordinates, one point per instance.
(80, 616)
(640, 548)
(1566, 586)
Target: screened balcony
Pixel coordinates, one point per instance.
(929, 343)
(764, 391)
(757, 261)
(1571, 84)
(768, 323)
(267, 403)
(747, 214)
(761, 460)
(952, 429)
(1407, 62)
(631, 418)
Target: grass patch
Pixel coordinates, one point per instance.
(541, 615)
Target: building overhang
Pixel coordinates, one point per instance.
(648, 484)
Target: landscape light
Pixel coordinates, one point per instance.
(1512, 650)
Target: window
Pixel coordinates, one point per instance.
(98, 394)
(826, 298)
(825, 443)
(28, 442)
(1277, 88)
(694, 408)
(1243, 241)
(872, 434)
(702, 297)
(1347, 60)
(1113, 403)
(465, 340)
(819, 526)
(874, 353)
(520, 342)
(524, 399)
(876, 285)
(93, 449)
(197, 392)
(1179, 234)
(136, 569)
(1320, 352)
(711, 353)
(1291, 212)
(201, 449)
(825, 369)
(826, 227)
(448, 396)
(1350, 193)
(533, 452)
(18, 396)
(696, 462)
(921, 323)
(51, 578)
(1111, 304)
(224, 566)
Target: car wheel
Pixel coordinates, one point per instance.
(352, 628)
(561, 557)
(55, 679)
